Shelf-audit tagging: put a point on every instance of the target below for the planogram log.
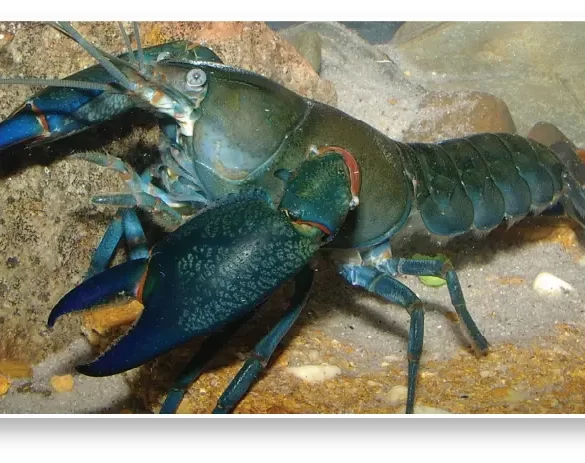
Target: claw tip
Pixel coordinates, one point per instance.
(51, 321)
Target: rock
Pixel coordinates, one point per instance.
(548, 134)
(50, 226)
(411, 31)
(315, 373)
(449, 115)
(15, 369)
(249, 45)
(309, 45)
(62, 383)
(5, 39)
(4, 385)
(313, 355)
(547, 284)
(397, 395)
(571, 156)
(111, 316)
(488, 47)
(363, 73)
(535, 67)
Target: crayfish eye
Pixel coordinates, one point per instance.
(195, 79)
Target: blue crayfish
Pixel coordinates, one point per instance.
(226, 131)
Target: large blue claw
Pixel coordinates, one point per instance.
(100, 288)
(154, 333)
(157, 330)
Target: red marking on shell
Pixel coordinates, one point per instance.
(41, 118)
(355, 178)
(320, 226)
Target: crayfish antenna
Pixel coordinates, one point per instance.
(131, 57)
(140, 63)
(110, 63)
(97, 54)
(140, 83)
(81, 84)
(126, 277)
(139, 52)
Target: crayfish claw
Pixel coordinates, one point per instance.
(100, 288)
(156, 332)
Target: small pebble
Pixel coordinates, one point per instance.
(62, 383)
(546, 284)
(92, 337)
(373, 383)
(4, 385)
(315, 373)
(485, 373)
(397, 395)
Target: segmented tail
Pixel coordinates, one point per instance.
(474, 183)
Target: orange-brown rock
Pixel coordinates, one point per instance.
(62, 383)
(15, 369)
(4, 385)
(103, 324)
